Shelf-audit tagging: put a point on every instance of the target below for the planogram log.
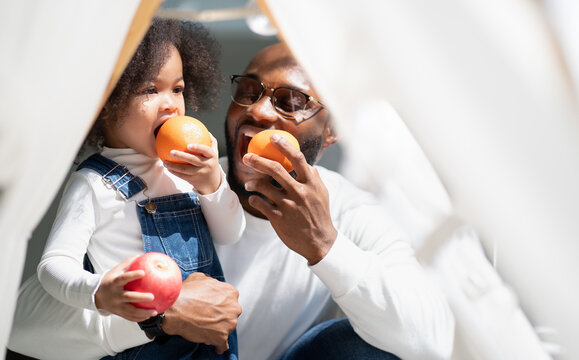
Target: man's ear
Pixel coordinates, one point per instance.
(330, 137)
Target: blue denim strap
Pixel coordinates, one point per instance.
(178, 218)
(114, 175)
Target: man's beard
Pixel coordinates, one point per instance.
(311, 149)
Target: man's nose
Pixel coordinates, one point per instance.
(263, 109)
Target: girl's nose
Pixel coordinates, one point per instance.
(263, 109)
(169, 102)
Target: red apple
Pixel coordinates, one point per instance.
(162, 279)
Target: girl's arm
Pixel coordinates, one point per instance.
(220, 205)
(223, 213)
(60, 270)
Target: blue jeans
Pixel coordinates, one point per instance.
(177, 228)
(336, 340)
(176, 348)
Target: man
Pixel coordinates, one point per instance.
(314, 241)
(314, 245)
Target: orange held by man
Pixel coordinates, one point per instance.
(261, 145)
(178, 132)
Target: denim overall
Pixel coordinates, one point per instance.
(173, 225)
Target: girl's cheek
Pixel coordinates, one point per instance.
(182, 104)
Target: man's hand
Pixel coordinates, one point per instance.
(205, 312)
(299, 211)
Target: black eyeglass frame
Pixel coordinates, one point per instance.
(273, 98)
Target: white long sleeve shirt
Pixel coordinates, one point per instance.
(92, 218)
(370, 273)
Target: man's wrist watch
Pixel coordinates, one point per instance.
(153, 326)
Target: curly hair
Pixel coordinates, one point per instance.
(201, 73)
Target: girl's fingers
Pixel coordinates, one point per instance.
(115, 276)
(201, 151)
(133, 313)
(189, 158)
(129, 276)
(135, 296)
(197, 155)
(123, 265)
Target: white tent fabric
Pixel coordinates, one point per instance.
(562, 15)
(484, 89)
(481, 85)
(57, 59)
(407, 184)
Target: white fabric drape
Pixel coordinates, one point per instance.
(484, 89)
(57, 59)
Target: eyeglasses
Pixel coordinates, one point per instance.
(289, 103)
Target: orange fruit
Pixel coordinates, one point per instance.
(261, 145)
(178, 132)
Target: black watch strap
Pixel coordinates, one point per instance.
(153, 326)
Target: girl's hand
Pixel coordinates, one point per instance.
(202, 169)
(112, 297)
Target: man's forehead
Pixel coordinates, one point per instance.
(272, 60)
(281, 70)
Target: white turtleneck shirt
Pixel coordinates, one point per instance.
(370, 273)
(94, 219)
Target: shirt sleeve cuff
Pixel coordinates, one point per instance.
(217, 194)
(95, 284)
(123, 334)
(342, 267)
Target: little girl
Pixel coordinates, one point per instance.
(124, 201)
